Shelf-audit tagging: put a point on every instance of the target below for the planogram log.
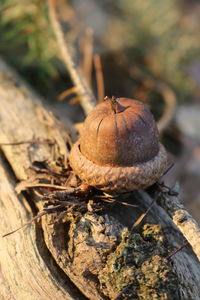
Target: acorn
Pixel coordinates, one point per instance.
(118, 149)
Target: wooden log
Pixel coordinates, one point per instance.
(90, 255)
(28, 270)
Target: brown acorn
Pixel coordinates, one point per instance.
(118, 149)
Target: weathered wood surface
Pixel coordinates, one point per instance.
(27, 269)
(74, 260)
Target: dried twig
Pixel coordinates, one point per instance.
(48, 210)
(178, 249)
(99, 77)
(109, 199)
(140, 219)
(67, 93)
(88, 100)
(88, 55)
(27, 223)
(26, 185)
(170, 106)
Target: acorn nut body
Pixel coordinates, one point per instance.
(118, 150)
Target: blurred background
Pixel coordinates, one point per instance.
(148, 50)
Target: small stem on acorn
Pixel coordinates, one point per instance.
(115, 105)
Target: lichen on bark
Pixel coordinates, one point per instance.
(139, 267)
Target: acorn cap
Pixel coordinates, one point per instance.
(118, 150)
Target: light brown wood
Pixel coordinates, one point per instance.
(74, 259)
(27, 269)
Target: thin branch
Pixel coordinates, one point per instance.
(88, 55)
(23, 186)
(47, 210)
(170, 106)
(99, 77)
(39, 215)
(52, 186)
(88, 100)
(67, 93)
(178, 249)
(140, 219)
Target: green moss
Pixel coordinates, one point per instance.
(153, 232)
(138, 268)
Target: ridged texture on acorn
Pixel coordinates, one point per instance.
(119, 179)
(120, 139)
(119, 152)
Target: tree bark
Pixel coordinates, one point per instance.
(86, 256)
